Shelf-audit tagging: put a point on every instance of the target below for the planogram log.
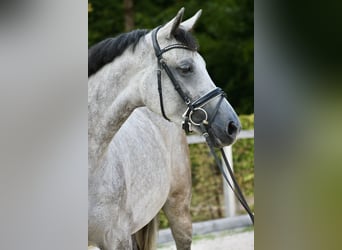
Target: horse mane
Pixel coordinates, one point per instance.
(107, 50)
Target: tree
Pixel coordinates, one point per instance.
(129, 14)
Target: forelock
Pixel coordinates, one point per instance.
(186, 38)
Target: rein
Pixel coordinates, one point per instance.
(237, 190)
(194, 106)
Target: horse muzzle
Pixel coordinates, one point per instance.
(212, 114)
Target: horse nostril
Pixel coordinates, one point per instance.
(232, 128)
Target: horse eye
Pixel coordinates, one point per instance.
(184, 69)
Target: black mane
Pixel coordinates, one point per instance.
(107, 50)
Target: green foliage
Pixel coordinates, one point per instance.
(206, 184)
(225, 33)
(104, 20)
(163, 222)
(243, 152)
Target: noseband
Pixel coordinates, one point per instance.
(194, 106)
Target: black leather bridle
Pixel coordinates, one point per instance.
(196, 106)
(192, 105)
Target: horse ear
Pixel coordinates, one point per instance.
(169, 29)
(189, 24)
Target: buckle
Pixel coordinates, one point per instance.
(187, 127)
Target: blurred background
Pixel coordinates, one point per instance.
(298, 103)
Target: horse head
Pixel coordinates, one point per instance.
(187, 94)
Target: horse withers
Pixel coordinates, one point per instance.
(127, 188)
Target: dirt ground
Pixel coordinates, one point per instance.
(232, 240)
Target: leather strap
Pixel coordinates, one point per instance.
(237, 191)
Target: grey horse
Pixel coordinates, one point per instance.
(128, 187)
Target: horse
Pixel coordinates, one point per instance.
(122, 78)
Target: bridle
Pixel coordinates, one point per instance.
(194, 106)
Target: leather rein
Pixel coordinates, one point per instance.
(194, 106)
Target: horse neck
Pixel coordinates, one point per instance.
(113, 94)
